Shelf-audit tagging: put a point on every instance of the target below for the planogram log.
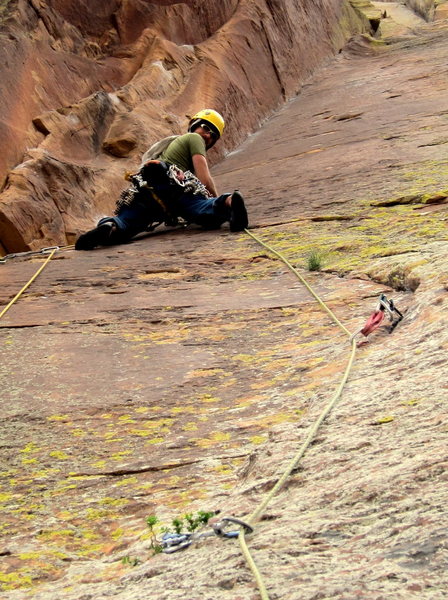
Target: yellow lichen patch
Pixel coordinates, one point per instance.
(58, 418)
(383, 420)
(203, 442)
(62, 488)
(30, 555)
(61, 534)
(228, 485)
(30, 448)
(117, 534)
(140, 432)
(119, 455)
(145, 486)
(412, 402)
(115, 502)
(64, 515)
(207, 398)
(94, 514)
(99, 464)
(229, 382)
(215, 438)
(223, 469)
(88, 534)
(205, 372)
(190, 426)
(258, 439)
(88, 550)
(126, 419)
(59, 455)
(183, 409)
(246, 358)
(127, 481)
(159, 424)
(78, 433)
(157, 440)
(15, 580)
(9, 473)
(220, 436)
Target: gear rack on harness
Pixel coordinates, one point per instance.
(170, 182)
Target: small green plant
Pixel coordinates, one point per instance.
(129, 560)
(198, 520)
(314, 260)
(178, 525)
(152, 521)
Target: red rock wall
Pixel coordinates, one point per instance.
(87, 86)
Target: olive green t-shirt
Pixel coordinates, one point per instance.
(181, 151)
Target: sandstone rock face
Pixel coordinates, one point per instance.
(88, 86)
(425, 8)
(183, 371)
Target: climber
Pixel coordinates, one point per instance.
(174, 181)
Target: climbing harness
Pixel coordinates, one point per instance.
(128, 196)
(145, 180)
(173, 542)
(383, 307)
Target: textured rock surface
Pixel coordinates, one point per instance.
(181, 372)
(425, 8)
(88, 86)
(429, 9)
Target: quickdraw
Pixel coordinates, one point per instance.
(187, 180)
(3, 259)
(384, 307)
(173, 542)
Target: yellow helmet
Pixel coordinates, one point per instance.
(210, 116)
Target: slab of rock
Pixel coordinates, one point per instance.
(182, 372)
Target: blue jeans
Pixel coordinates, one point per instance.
(209, 213)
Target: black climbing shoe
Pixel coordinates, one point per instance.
(238, 213)
(100, 236)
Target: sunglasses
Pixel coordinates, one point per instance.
(208, 130)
